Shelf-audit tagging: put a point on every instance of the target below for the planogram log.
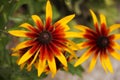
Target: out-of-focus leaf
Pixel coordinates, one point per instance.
(109, 2)
(25, 75)
(4, 39)
(5, 73)
(75, 70)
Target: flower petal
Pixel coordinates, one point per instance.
(41, 66)
(93, 62)
(114, 27)
(84, 57)
(71, 43)
(66, 27)
(82, 45)
(18, 33)
(48, 11)
(29, 27)
(64, 20)
(114, 53)
(38, 21)
(116, 36)
(52, 66)
(74, 34)
(29, 68)
(116, 46)
(36, 64)
(22, 66)
(81, 27)
(102, 19)
(108, 63)
(102, 60)
(35, 57)
(15, 54)
(23, 45)
(104, 30)
(26, 25)
(28, 54)
(70, 50)
(62, 59)
(95, 21)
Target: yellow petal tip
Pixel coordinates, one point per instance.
(20, 62)
(53, 75)
(73, 15)
(91, 10)
(10, 32)
(75, 65)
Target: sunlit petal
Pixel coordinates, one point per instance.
(84, 57)
(29, 27)
(66, 27)
(74, 35)
(103, 62)
(102, 19)
(108, 63)
(22, 66)
(73, 44)
(116, 36)
(38, 21)
(18, 33)
(35, 57)
(114, 27)
(95, 21)
(27, 55)
(64, 20)
(116, 46)
(36, 64)
(15, 54)
(26, 25)
(114, 53)
(81, 27)
(70, 50)
(48, 11)
(23, 45)
(29, 68)
(52, 66)
(62, 59)
(41, 66)
(82, 45)
(93, 62)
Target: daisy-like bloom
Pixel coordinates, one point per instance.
(46, 43)
(99, 43)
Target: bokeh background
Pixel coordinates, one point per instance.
(15, 12)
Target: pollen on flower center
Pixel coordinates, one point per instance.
(45, 37)
(102, 42)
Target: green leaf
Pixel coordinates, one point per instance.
(75, 70)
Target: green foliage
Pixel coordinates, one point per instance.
(75, 70)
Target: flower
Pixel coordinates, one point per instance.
(46, 44)
(100, 43)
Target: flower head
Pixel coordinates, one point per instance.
(47, 43)
(100, 42)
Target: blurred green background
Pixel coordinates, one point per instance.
(15, 12)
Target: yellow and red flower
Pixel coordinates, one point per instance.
(46, 44)
(100, 42)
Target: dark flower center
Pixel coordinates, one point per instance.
(45, 37)
(102, 42)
